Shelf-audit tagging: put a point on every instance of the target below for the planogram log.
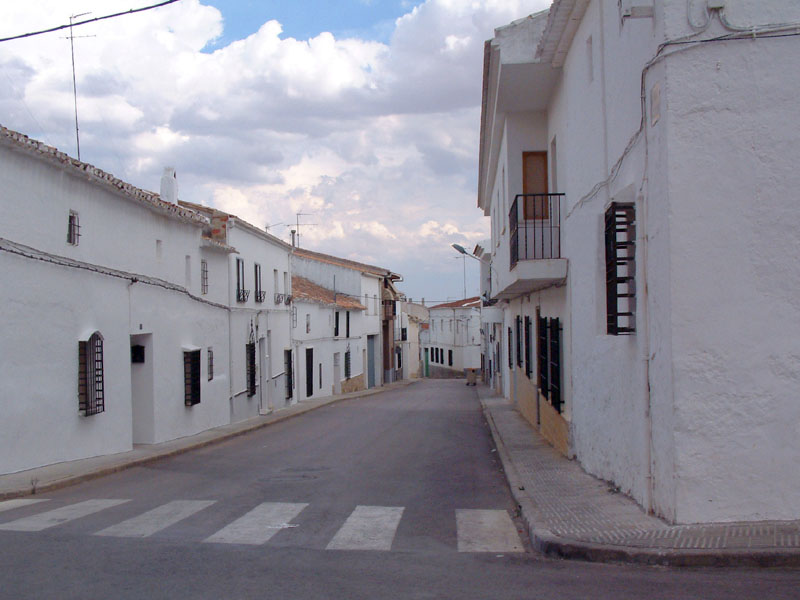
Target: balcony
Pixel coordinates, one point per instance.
(242, 295)
(534, 245)
(260, 295)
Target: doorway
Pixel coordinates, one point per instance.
(371, 361)
(142, 389)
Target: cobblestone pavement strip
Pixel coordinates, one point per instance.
(573, 514)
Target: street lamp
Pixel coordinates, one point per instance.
(461, 250)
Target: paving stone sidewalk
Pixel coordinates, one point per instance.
(59, 475)
(572, 514)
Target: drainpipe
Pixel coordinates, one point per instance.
(650, 491)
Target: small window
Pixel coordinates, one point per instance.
(449, 358)
(73, 229)
(91, 392)
(347, 365)
(510, 349)
(528, 353)
(518, 324)
(347, 323)
(308, 323)
(241, 293)
(250, 354)
(210, 363)
(203, 276)
(320, 375)
(404, 334)
(260, 294)
(335, 324)
(620, 242)
(191, 377)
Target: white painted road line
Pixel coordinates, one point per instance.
(368, 528)
(57, 516)
(17, 502)
(486, 531)
(259, 525)
(157, 519)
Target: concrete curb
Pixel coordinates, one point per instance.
(131, 462)
(555, 546)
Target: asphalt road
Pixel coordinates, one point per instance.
(367, 498)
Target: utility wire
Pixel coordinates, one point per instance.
(68, 25)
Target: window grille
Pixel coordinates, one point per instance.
(528, 361)
(91, 392)
(404, 334)
(250, 352)
(203, 276)
(347, 365)
(449, 358)
(210, 363)
(518, 323)
(259, 293)
(73, 229)
(510, 349)
(549, 350)
(620, 242)
(541, 351)
(241, 293)
(191, 377)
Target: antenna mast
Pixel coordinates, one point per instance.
(74, 85)
(298, 223)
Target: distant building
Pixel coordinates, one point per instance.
(408, 351)
(452, 342)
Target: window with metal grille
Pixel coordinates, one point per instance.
(73, 228)
(620, 242)
(191, 377)
(449, 358)
(347, 365)
(510, 349)
(203, 276)
(336, 324)
(241, 293)
(528, 360)
(210, 353)
(91, 393)
(250, 354)
(260, 293)
(404, 334)
(518, 327)
(549, 357)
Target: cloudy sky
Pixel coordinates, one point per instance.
(361, 114)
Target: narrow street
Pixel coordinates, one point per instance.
(395, 495)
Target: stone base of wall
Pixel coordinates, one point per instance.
(553, 427)
(437, 372)
(354, 384)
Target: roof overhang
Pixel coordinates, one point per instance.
(562, 23)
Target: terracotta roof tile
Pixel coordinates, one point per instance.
(343, 262)
(473, 302)
(303, 289)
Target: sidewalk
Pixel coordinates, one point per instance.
(571, 514)
(52, 477)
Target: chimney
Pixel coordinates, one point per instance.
(169, 185)
(294, 231)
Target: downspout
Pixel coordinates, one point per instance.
(230, 343)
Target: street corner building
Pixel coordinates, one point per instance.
(638, 165)
(452, 341)
(131, 317)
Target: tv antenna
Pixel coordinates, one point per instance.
(298, 223)
(71, 39)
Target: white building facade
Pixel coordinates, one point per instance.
(638, 170)
(452, 341)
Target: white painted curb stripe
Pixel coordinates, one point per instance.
(17, 502)
(259, 525)
(368, 528)
(57, 516)
(486, 531)
(157, 519)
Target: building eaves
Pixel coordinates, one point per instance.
(151, 200)
(211, 212)
(306, 290)
(473, 302)
(207, 242)
(562, 23)
(347, 263)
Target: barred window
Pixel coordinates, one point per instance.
(549, 357)
(203, 276)
(191, 377)
(91, 393)
(241, 293)
(73, 228)
(250, 353)
(620, 242)
(518, 322)
(347, 365)
(210, 363)
(510, 349)
(449, 358)
(528, 361)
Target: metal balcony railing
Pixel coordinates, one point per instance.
(535, 223)
(260, 295)
(242, 295)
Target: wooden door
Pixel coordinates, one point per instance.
(534, 181)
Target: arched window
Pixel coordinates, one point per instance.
(91, 396)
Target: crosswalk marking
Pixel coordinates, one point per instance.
(486, 531)
(17, 502)
(368, 528)
(259, 525)
(57, 516)
(157, 519)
